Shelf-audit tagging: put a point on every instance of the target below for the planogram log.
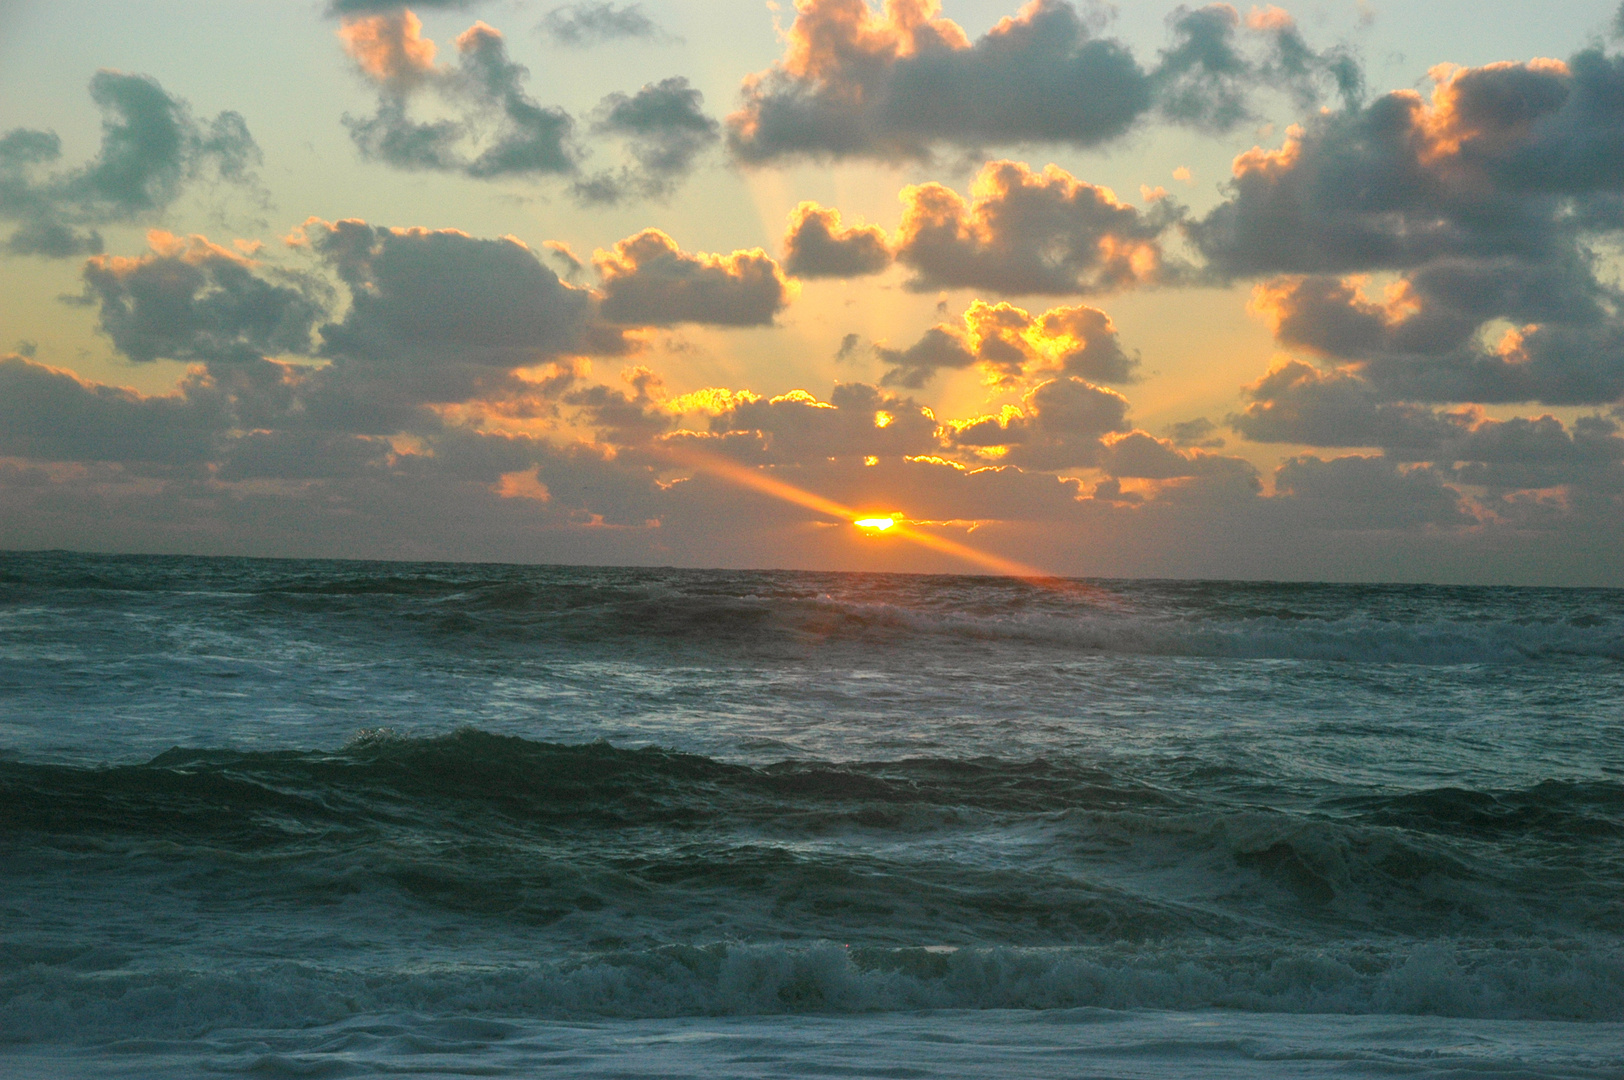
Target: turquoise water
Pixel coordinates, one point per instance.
(323, 818)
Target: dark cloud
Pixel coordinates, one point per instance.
(898, 83)
(489, 128)
(51, 415)
(441, 317)
(1199, 432)
(665, 129)
(621, 418)
(649, 281)
(191, 300)
(151, 149)
(1140, 456)
(1061, 424)
(301, 455)
(1465, 330)
(1493, 201)
(941, 347)
(580, 26)
(1298, 404)
(499, 130)
(1020, 233)
(817, 245)
(1301, 405)
(1028, 233)
(1368, 493)
(1208, 74)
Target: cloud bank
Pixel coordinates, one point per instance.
(899, 83)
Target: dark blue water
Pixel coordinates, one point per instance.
(360, 818)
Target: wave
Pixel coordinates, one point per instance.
(1453, 979)
(592, 784)
(1048, 850)
(706, 611)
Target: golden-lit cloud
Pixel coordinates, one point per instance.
(389, 46)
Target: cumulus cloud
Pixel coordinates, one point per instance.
(1491, 200)
(1027, 233)
(897, 83)
(192, 300)
(818, 245)
(438, 316)
(1210, 70)
(1060, 424)
(1138, 455)
(52, 415)
(152, 147)
(666, 130)
(1020, 233)
(941, 347)
(857, 421)
(486, 126)
(1299, 404)
(1011, 345)
(649, 281)
(1368, 494)
(500, 130)
(583, 25)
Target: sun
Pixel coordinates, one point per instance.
(875, 524)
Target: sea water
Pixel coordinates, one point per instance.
(336, 818)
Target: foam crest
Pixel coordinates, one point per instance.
(1454, 980)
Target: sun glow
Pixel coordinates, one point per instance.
(877, 524)
(768, 485)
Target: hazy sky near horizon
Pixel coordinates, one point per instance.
(1326, 291)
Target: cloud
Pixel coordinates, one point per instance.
(579, 26)
(898, 83)
(1493, 200)
(1027, 233)
(438, 316)
(1208, 74)
(52, 415)
(1138, 455)
(817, 245)
(499, 130)
(192, 300)
(665, 129)
(941, 347)
(649, 281)
(1299, 404)
(1368, 494)
(857, 421)
(372, 7)
(1020, 233)
(1011, 345)
(487, 127)
(151, 149)
(1463, 330)
(1060, 424)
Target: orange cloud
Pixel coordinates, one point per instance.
(830, 36)
(389, 47)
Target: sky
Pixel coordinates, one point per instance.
(1326, 292)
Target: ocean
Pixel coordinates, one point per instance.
(303, 818)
